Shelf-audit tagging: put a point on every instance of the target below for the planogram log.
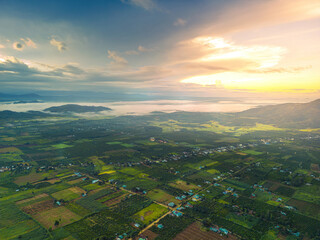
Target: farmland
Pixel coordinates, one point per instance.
(166, 176)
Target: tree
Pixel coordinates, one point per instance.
(56, 223)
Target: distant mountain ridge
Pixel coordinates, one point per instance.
(291, 115)
(75, 108)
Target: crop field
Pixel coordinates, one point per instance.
(183, 185)
(31, 178)
(91, 186)
(161, 196)
(148, 234)
(115, 200)
(252, 152)
(17, 230)
(61, 214)
(309, 209)
(194, 232)
(150, 213)
(35, 208)
(246, 221)
(68, 194)
(61, 146)
(33, 199)
(77, 209)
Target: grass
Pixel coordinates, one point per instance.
(32, 177)
(10, 150)
(127, 145)
(61, 146)
(246, 221)
(14, 231)
(180, 184)
(252, 152)
(107, 172)
(161, 196)
(204, 163)
(62, 214)
(213, 171)
(78, 209)
(91, 186)
(68, 194)
(150, 213)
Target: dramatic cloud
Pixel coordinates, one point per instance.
(28, 42)
(145, 4)
(239, 17)
(61, 46)
(18, 46)
(180, 22)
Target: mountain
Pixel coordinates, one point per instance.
(74, 108)
(290, 115)
(6, 115)
(22, 97)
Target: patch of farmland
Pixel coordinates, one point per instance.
(161, 196)
(61, 214)
(184, 185)
(194, 232)
(39, 207)
(16, 230)
(38, 197)
(68, 194)
(150, 213)
(147, 235)
(306, 208)
(31, 178)
(114, 201)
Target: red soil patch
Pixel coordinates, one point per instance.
(193, 232)
(39, 207)
(147, 234)
(315, 167)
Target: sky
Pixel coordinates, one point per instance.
(202, 48)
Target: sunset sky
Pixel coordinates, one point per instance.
(210, 48)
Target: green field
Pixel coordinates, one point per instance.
(150, 213)
(61, 146)
(68, 194)
(162, 196)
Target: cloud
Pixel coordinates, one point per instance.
(61, 46)
(18, 46)
(145, 4)
(144, 49)
(180, 22)
(208, 54)
(140, 49)
(132, 52)
(116, 59)
(28, 42)
(2, 46)
(239, 16)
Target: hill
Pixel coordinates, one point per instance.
(290, 115)
(74, 108)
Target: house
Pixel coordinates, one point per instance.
(196, 198)
(177, 214)
(171, 204)
(160, 226)
(95, 181)
(224, 231)
(137, 225)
